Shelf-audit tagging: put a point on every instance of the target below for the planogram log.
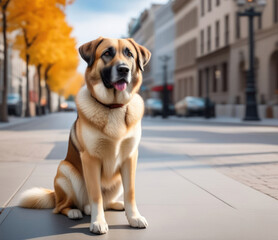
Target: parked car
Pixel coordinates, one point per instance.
(191, 106)
(68, 106)
(154, 107)
(14, 102)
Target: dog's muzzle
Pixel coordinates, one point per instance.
(117, 76)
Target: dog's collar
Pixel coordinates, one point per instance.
(111, 106)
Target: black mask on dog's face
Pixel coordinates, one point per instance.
(106, 76)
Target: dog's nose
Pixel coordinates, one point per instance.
(122, 69)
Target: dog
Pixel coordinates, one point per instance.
(103, 144)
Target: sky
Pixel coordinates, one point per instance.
(108, 18)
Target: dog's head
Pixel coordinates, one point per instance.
(113, 74)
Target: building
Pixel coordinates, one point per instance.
(185, 42)
(164, 35)
(208, 45)
(222, 57)
(266, 64)
(142, 31)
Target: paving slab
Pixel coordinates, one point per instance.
(19, 172)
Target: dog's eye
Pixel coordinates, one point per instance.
(107, 54)
(129, 54)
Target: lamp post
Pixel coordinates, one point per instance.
(207, 100)
(165, 97)
(251, 9)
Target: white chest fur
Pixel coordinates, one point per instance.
(111, 151)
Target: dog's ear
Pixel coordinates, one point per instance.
(143, 54)
(88, 50)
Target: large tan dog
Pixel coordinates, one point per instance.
(103, 143)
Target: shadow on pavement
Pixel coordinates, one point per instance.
(203, 166)
(58, 152)
(33, 223)
(197, 136)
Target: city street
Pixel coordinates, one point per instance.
(194, 181)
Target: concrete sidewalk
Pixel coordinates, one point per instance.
(179, 194)
(178, 200)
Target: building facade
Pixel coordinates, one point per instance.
(164, 34)
(208, 45)
(186, 21)
(223, 57)
(266, 64)
(142, 31)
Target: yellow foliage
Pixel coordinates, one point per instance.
(73, 85)
(43, 34)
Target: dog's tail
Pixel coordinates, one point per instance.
(37, 198)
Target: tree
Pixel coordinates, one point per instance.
(4, 109)
(57, 55)
(43, 52)
(35, 19)
(73, 85)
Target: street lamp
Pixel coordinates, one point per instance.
(165, 97)
(251, 9)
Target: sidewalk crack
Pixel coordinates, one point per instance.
(197, 185)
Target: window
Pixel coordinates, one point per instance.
(215, 76)
(217, 2)
(237, 26)
(260, 22)
(207, 82)
(227, 33)
(188, 22)
(217, 29)
(224, 77)
(275, 11)
(202, 7)
(202, 41)
(208, 41)
(209, 5)
(200, 84)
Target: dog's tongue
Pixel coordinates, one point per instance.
(120, 85)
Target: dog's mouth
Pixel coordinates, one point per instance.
(120, 85)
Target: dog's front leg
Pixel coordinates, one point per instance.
(92, 175)
(128, 177)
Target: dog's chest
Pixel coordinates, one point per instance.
(111, 151)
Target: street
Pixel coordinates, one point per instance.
(194, 181)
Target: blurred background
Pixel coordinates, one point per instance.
(200, 54)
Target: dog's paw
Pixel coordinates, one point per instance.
(87, 209)
(137, 222)
(74, 214)
(99, 227)
(118, 206)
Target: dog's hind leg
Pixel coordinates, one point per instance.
(110, 198)
(68, 200)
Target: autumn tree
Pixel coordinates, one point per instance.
(34, 19)
(4, 109)
(57, 56)
(45, 51)
(73, 85)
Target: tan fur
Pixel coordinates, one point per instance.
(103, 143)
(37, 198)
